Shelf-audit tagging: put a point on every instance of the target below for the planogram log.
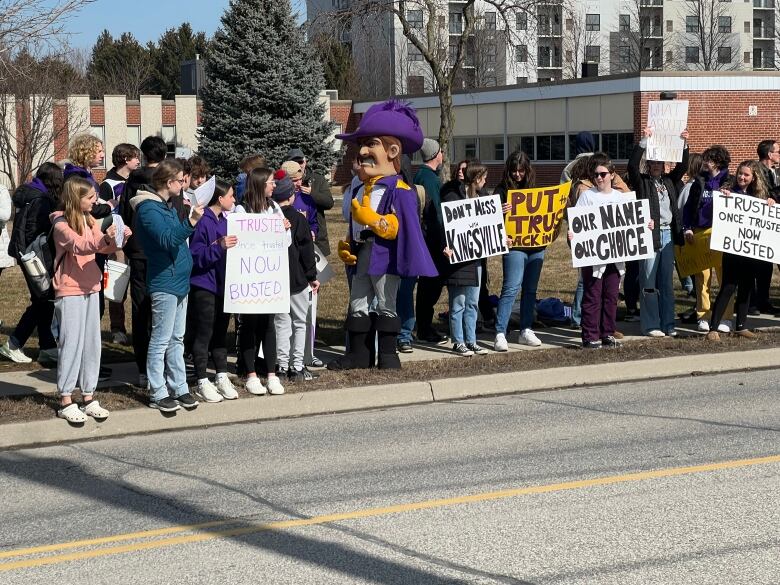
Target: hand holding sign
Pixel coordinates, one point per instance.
(195, 214)
(228, 242)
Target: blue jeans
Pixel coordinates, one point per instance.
(656, 298)
(404, 306)
(521, 270)
(576, 306)
(464, 306)
(165, 359)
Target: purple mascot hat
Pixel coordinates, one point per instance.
(390, 118)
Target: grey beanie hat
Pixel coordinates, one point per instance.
(284, 188)
(429, 149)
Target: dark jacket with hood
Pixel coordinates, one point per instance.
(300, 253)
(697, 212)
(462, 273)
(323, 199)
(33, 202)
(644, 186)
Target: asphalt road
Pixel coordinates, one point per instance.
(658, 482)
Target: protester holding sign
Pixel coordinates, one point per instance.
(463, 278)
(522, 265)
(697, 217)
(656, 300)
(601, 281)
(739, 272)
(208, 246)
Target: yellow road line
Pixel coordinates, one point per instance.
(330, 518)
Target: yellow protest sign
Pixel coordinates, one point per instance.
(535, 214)
(696, 257)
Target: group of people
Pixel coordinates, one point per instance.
(163, 220)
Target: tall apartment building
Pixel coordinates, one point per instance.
(555, 39)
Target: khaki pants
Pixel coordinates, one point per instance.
(703, 284)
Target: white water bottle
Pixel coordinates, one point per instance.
(32, 264)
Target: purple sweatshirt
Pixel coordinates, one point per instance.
(701, 216)
(208, 257)
(305, 204)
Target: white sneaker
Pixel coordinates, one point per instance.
(704, 325)
(15, 355)
(275, 385)
(725, 326)
(500, 343)
(528, 337)
(226, 388)
(656, 333)
(208, 391)
(255, 386)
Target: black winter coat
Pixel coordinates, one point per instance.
(323, 199)
(303, 264)
(463, 273)
(36, 206)
(644, 186)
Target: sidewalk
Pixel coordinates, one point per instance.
(43, 381)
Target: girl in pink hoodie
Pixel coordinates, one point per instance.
(77, 238)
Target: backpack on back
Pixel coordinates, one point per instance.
(37, 261)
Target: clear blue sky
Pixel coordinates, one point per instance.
(148, 19)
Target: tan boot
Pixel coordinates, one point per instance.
(712, 336)
(746, 334)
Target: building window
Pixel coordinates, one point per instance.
(593, 54)
(490, 20)
(691, 54)
(415, 84)
(522, 53)
(569, 55)
(134, 135)
(758, 58)
(669, 57)
(491, 148)
(569, 24)
(522, 21)
(758, 28)
(523, 143)
(573, 144)
(746, 57)
(465, 148)
(625, 23)
(669, 26)
(415, 18)
(617, 145)
(691, 24)
(592, 22)
(456, 23)
(545, 58)
(414, 53)
(724, 54)
(724, 24)
(521, 80)
(747, 26)
(491, 51)
(624, 54)
(551, 147)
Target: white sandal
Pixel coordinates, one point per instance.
(93, 409)
(72, 414)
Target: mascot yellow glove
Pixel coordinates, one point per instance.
(345, 253)
(385, 226)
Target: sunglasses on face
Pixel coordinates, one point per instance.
(602, 175)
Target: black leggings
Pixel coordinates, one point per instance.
(211, 327)
(258, 331)
(739, 273)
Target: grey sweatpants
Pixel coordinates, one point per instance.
(78, 361)
(291, 331)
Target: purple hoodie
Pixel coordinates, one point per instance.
(208, 257)
(305, 204)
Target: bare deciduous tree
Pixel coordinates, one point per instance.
(709, 42)
(576, 40)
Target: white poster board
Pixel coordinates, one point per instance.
(614, 232)
(668, 119)
(745, 226)
(257, 278)
(474, 228)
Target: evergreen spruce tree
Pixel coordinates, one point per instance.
(262, 94)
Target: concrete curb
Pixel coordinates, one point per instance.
(145, 420)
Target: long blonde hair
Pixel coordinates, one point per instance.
(74, 190)
(757, 187)
(83, 149)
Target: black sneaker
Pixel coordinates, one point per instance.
(433, 337)
(104, 374)
(187, 401)
(591, 345)
(610, 341)
(404, 347)
(754, 311)
(166, 404)
(477, 350)
(461, 350)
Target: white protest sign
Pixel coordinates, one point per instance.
(745, 226)
(324, 269)
(613, 232)
(474, 228)
(204, 193)
(257, 277)
(668, 119)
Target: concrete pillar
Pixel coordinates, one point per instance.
(115, 125)
(151, 115)
(187, 121)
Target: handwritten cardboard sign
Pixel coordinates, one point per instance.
(535, 214)
(474, 228)
(613, 232)
(698, 256)
(668, 119)
(746, 226)
(257, 278)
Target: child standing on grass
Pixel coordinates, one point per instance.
(601, 282)
(291, 327)
(77, 279)
(208, 245)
